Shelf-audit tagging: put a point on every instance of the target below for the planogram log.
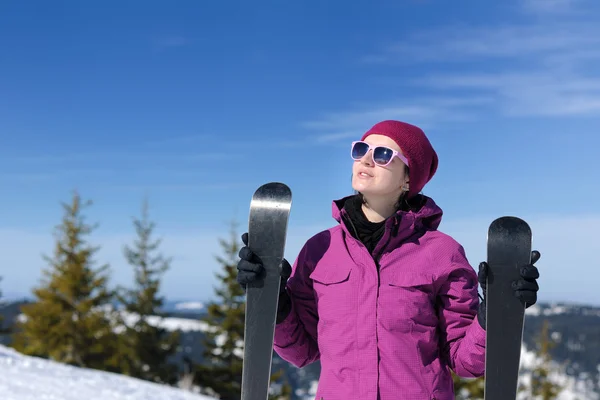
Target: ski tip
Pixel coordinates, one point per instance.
(272, 186)
(278, 189)
(272, 195)
(509, 223)
(510, 218)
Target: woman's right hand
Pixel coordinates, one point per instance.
(250, 268)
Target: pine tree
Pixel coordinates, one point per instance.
(542, 387)
(2, 329)
(70, 320)
(468, 388)
(149, 346)
(221, 372)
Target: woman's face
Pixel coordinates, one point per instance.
(372, 179)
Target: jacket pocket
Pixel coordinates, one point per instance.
(408, 302)
(333, 286)
(412, 282)
(331, 274)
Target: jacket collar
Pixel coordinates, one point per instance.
(401, 225)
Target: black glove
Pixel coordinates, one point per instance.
(525, 289)
(250, 269)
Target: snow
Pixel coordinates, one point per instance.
(31, 378)
(552, 310)
(190, 305)
(309, 394)
(168, 323)
(557, 309)
(573, 388)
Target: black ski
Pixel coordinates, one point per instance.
(267, 229)
(508, 248)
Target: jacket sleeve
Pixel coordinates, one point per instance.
(296, 336)
(462, 338)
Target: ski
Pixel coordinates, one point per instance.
(508, 249)
(267, 229)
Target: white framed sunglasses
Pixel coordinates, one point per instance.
(382, 155)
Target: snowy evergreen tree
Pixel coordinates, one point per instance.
(70, 319)
(2, 330)
(149, 346)
(221, 372)
(542, 385)
(468, 388)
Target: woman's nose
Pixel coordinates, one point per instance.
(367, 158)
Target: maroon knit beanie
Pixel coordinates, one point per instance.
(422, 159)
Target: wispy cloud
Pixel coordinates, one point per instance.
(200, 186)
(142, 177)
(530, 93)
(545, 67)
(353, 119)
(459, 44)
(32, 177)
(170, 41)
(178, 140)
(116, 156)
(50, 175)
(334, 137)
(549, 6)
(424, 111)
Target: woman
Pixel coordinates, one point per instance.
(385, 301)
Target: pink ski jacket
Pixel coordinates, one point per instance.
(390, 328)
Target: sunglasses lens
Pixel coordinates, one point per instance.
(382, 155)
(359, 150)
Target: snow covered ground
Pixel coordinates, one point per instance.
(30, 378)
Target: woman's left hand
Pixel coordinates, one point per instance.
(525, 289)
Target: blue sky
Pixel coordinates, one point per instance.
(196, 104)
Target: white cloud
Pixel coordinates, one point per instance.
(353, 119)
(548, 6)
(544, 67)
(197, 186)
(458, 44)
(547, 93)
(170, 41)
(170, 139)
(125, 155)
(422, 111)
(334, 137)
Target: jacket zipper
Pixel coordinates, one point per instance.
(347, 218)
(376, 260)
